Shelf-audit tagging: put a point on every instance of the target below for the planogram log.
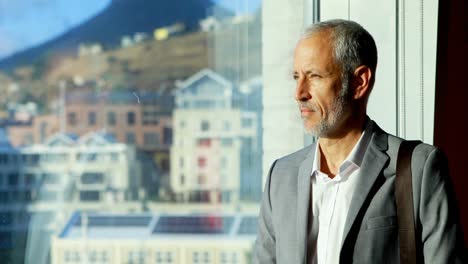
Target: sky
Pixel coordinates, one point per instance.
(26, 23)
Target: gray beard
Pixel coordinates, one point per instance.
(327, 126)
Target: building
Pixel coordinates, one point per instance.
(155, 238)
(93, 168)
(42, 184)
(249, 98)
(209, 137)
(140, 119)
(17, 222)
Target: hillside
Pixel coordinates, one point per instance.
(121, 17)
(144, 66)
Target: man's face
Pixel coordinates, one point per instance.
(320, 95)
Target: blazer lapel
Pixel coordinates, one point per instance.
(372, 165)
(303, 194)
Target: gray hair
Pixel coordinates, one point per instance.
(353, 45)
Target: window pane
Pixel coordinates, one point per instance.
(125, 117)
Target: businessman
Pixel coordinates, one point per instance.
(334, 201)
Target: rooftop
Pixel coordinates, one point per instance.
(160, 226)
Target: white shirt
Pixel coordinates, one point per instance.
(331, 199)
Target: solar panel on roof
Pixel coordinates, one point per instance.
(248, 226)
(120, 221)
(193, 225)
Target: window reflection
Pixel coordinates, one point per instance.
(134, 131)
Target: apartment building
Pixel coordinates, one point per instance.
(210, 134)
(155, 238)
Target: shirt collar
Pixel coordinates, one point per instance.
(354, 159)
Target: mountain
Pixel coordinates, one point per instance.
(121, 17)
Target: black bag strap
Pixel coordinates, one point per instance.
(404, 203)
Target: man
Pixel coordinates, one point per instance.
(346, 180)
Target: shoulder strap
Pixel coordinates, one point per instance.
(404, 203)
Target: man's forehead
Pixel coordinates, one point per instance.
(321, 40)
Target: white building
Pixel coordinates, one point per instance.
(41, 185)
(91, 169)
(155, 238)
(209, 133)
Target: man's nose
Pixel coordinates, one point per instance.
(302, 91)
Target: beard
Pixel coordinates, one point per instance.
(328, 125)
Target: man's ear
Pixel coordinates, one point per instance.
(361, 82)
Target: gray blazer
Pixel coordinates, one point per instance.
(371, 232)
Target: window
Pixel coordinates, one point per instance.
(123, 135)
(13, 179)
(72, 257)
(71, 119)
(164, 257)
(51, 178)
(204, 142)
(111, 118)
(130, 138)
(205, 125)
(114, 156)
(226, 142)
(3, 158)
(224, 162)
(47, 196)
(89, 196)
(201, 179)
(42, 131)
(167, 135)
(131, 118)
(98, 257)
(151, 139)
(182, 179)
(201, 162)
(4, 197)
(136, 257)
(6, 218)
(247, 122)
(29, 179)
(92, 178)
(91, 118)
(229, 258)
(226, 126)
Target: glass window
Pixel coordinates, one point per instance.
(247, 122)
(111, 118)
(13, 179)
(201, 162)
(130, 138)
(131, 118)
(226, 142)
(204, 142)
(92, 118)
(226, 126)
(167, 135)
(4, 197)
(89, 196)
(114, 101)
(92, 178)
(201, 179)
(72, 119)
(151, 138)
(205, 125)
(50, 178)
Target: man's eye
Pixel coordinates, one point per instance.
(295, 77)
(314, 76)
